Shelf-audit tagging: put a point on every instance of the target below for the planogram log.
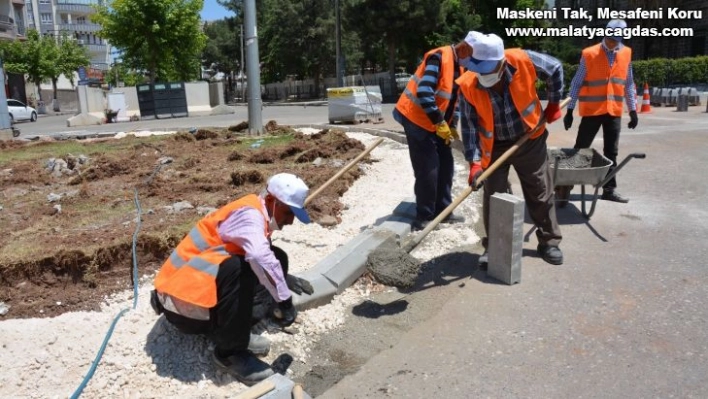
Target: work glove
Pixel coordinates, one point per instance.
(568, 119)
(475, 172)
(285, 313)
(298, 285)
(552, 112)
(443, 131)
(455, 134)
(633, 120)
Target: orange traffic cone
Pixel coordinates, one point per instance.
(646, 104)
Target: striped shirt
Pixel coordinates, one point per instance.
(429, 85)
(245, 228)
(629, 89)
(508, 124)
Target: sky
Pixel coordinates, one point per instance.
(213, 11)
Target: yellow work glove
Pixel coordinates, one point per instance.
(443, 131)
(455, 134)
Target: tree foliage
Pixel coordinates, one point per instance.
(162, 37)
(45, 58)
(223, 46)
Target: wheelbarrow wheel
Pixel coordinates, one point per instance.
(562, 195)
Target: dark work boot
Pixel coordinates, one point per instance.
(419, 224)
(612, 195)
(453, 218)
(550, 253)
(244, 366)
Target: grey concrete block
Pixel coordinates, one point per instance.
(324, 291)
(348, 262)
(283, 387)
(399, 225)
(506, 224)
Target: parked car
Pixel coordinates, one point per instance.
(20, 111)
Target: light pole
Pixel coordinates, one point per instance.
(338, 45)
(253, 70)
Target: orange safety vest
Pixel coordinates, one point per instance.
(409, 105)
(602, 91)
(523, 94)
(190, 272)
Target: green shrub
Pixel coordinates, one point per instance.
(660, 72)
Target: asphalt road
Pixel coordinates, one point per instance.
(283, 114)
(623, 317)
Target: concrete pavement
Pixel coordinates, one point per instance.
(625, 316)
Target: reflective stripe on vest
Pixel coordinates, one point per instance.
(602, 91)
(189, 274)
(409, 104)
(525, 101)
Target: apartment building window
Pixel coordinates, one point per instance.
(81, 20)
(46, 18)
(45, 1)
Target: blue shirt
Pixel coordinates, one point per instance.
(508, 124)
(629, 89)
(428, 86)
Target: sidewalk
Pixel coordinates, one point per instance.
(623, 317)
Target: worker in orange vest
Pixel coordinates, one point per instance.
(498, 105)
(207, 285)
(427, 110)
(603, 81)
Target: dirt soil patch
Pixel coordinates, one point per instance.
(68, 209)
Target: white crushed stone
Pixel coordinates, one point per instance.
(147, 357)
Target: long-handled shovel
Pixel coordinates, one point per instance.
(413, 242)
(296, 283)
(343, 170)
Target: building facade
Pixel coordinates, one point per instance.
(12, 20)
(651, 47)
(52, 17)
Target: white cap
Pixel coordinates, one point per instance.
(616, 24)
(487, 51)
(291, 190)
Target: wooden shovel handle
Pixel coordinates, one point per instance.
(343, 170)
(410, 245)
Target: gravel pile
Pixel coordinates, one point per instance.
(147, 357)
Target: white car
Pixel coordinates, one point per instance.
(20, 112)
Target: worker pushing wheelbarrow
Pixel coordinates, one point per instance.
(583, 166)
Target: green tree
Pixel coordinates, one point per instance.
(298, 39)
(223, 46)
(162, 37)
(65, 58)
(396, 23)
(35, 57)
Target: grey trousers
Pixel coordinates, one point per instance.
(530, 162)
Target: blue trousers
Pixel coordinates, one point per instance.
(433, 168)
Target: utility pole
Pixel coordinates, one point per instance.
(253, 70)
(338, 38)
(4, 114)
(240, 78)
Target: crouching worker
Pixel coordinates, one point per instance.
(207, 286)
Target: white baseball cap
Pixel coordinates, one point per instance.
(616, 24)
(487, 51)
(291, 190)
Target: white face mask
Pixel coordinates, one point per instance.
(491, 79)
(272, 223)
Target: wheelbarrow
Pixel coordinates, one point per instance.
(584, 166)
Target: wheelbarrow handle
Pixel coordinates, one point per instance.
(639, 155)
